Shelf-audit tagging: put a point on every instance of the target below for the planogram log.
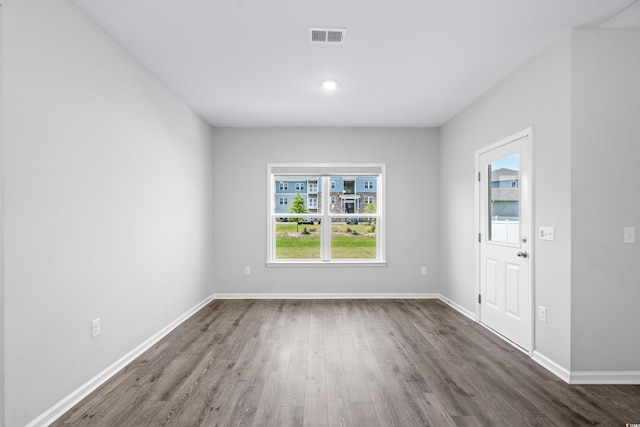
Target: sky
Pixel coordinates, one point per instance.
(512, 163)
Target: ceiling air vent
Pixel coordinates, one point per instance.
(327, 35)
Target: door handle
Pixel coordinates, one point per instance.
(523, 254)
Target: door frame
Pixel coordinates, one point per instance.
(525, 133)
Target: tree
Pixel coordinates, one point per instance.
(297, 206)
(370, 208)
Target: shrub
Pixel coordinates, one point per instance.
(305, 230)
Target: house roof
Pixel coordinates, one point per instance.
(504, 174)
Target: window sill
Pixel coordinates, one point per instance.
(325, 264)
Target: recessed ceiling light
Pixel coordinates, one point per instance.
(329, 85)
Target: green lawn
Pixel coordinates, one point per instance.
(349, 246)
(344, 244)
(288, 227)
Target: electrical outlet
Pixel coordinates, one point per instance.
(542, 314)
(423, 271)
(95, 327)
(247, 271)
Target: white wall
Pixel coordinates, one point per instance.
(536, 95)
(605, 199)
(240, 162)
(108, 204)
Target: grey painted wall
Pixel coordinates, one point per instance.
(241, 157)
(536, 95)
(2, 296)
(108, 204)
(582, 96)
(605, 173)
(121, 203)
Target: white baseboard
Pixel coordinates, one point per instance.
(470, 314)
(57, 410)
(551, 366)
(84, 390)
(605, 377)
(457, 307)
(328, 296)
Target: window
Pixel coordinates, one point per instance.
(326, 229)
(504, 201)
(284, 186)
(368, 185)
(299, 186)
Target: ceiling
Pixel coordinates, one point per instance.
(404, 63)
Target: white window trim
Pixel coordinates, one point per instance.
(326, 171)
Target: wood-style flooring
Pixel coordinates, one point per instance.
(342, 363)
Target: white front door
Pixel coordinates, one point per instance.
(504, 225)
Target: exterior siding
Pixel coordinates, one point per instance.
(505, 194)
(349, 193)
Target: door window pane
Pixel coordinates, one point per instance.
(504, 200)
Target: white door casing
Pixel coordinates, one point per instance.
(505, 240)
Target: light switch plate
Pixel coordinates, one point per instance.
(629, 235)
(547, 233)
(95, 328)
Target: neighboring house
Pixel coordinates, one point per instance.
(505, 194)
(285, 191)
(348, 194)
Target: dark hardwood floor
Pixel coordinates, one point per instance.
(346, 363)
